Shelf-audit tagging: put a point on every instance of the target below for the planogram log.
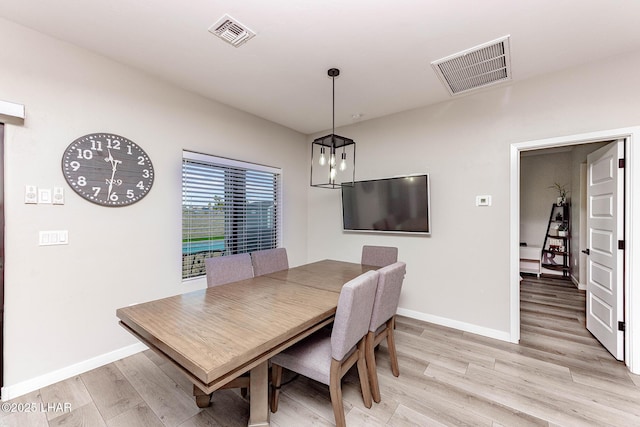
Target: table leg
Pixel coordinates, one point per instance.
(259, 396)
(203, 399)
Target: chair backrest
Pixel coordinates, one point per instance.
(387, 294)
(228, 268)
(353, 313)
(379, 256)
(269, 261)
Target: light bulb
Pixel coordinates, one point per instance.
(333, 159)
(332, 173)
(323, 159)
(343, 162)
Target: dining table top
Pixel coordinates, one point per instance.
(217, 333)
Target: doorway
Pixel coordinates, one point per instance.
(632, 215)
(564, 251)
(1, 255)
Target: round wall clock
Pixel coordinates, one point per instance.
(107, 169)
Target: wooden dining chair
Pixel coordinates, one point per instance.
(382, 322)
(379, 256)
(269, 261)
(326, 356)
(220, 271)
(228, 268)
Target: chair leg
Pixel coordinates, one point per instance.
(362, 373)
(391, 345)
(335, 389)
(372, 372)
(276, 381)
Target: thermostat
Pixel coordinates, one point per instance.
(483, 200)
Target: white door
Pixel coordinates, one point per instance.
(605, 291)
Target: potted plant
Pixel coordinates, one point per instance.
(563, 230)
(562, 193)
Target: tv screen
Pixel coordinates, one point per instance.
(396, 205)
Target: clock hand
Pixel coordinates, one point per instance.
(114, 166)
(114, 162)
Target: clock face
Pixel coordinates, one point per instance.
(107, 169)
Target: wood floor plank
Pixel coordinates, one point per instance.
(595, 392)
(596, 409)
(157, 390)
(11, 417)
(511, 395)
(228, 409)
(87, 415)
(428, 399)
(291, 412)
(71, 391)
(455, 400)
(314, 396)
(453, 351)
(110, 390)
(22, 419)
(358, 417)
(407, 417)
(138, 416)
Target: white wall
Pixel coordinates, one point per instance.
(60, 301)
(537, 174)
(460, 276)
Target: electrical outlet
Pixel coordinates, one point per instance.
(30, 194)
(58, 196)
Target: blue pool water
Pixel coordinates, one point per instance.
(211, 245)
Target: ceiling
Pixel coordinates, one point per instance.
(382, 47)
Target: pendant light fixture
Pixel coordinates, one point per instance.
(328, 171)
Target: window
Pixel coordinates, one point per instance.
(228, 207)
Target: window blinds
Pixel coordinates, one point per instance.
(228, 207)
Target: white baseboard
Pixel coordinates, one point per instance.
(581, 286)
(455, 324)
(20, 389)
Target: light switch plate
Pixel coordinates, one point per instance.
(44, 195)
(30, 194)
(57, 237)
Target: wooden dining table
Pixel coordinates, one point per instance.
(216, 334)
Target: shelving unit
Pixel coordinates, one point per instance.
(531, 260)
(556, 250)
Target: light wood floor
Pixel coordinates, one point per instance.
(557, 375)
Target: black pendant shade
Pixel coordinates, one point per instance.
(333, 157)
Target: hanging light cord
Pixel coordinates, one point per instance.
(333, 106)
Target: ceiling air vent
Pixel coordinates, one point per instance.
(480, 66)
(231, 31)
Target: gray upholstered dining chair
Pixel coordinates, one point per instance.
(326, 356)
(383, 320)
(228, 268)
(269, 261)
(379, 256)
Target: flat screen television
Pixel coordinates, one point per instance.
(392, 205)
